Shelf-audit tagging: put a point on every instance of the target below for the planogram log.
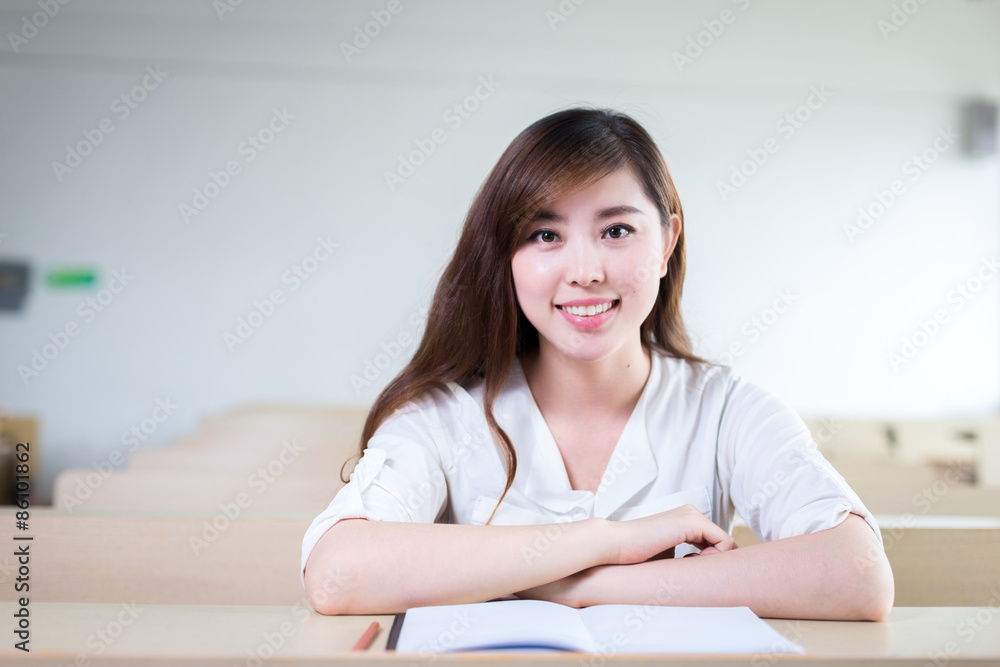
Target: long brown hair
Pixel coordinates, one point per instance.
(475, 302)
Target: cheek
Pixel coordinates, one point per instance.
(526, 278)
(638, 274)
(531, 274)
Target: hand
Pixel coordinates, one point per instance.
(639, 540)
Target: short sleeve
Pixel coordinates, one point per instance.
(399, 478)
(779, 481)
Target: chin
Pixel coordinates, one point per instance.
(586, 353)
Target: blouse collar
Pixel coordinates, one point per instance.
(630, 469)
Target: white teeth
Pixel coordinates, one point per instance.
(587, 311)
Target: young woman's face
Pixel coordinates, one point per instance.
(588, 270)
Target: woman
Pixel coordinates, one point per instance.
(554, 437)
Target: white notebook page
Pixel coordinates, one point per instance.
(656, 629)
(505, 624)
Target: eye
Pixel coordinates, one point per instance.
(625, 231)
(547, 234)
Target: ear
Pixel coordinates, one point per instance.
(670, 236)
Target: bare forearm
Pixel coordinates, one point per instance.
(833, 574)
(370, 567)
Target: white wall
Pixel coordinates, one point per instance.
(323, 176)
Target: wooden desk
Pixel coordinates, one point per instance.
(80, 633)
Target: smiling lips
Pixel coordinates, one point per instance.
(588, 310)
(588, 315)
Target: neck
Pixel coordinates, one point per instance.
(568, 388)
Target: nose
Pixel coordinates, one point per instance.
(584, 262)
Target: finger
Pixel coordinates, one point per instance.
(709, 550)
(713, 536)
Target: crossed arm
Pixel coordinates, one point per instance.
(839, 574)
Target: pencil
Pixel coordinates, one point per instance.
(366, 638)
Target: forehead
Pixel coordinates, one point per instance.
(620, 189)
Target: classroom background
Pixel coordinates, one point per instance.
(217, 204)
(222, 221)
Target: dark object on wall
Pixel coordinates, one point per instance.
(19, 447)
(13, 284)
(980, 128)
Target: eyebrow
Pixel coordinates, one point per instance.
(602, 215)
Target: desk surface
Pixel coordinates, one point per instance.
(104, 634)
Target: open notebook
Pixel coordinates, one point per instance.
(608, 629)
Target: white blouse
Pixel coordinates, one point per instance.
(699, 434)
